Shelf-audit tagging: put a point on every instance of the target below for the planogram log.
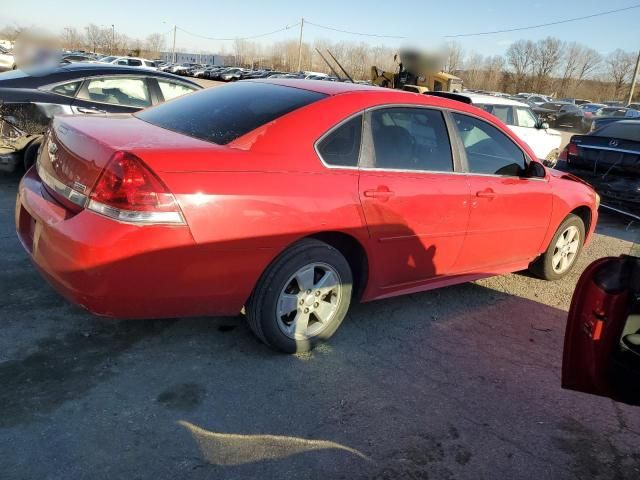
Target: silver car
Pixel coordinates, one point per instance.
(7, 60)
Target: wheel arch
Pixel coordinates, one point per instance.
(584, 213)
(354, 252)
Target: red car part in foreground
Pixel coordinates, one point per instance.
(291, 198)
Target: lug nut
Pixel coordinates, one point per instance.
(301, 302)
(308, 292)
(317, 293)
(306, 310)
(316, 305)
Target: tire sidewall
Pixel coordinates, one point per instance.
(274, 283)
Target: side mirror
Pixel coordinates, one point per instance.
(544, 125)
(602, 339)
(535, 170)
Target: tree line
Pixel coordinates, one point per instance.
(548, 66)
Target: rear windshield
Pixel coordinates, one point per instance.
(222, 114)
(621, 130)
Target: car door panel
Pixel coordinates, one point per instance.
(601, 348)
(509, 213)
(416, 214)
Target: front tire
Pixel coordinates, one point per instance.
(302, 298)
(563, 251)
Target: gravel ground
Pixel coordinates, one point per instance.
(462, 382)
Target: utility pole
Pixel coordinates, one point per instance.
(633, 80)
(173, 55)
(300, 45)
(113, 38)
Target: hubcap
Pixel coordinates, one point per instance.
(309, 301)
(566, 250)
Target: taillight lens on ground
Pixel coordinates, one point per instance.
(127, 190)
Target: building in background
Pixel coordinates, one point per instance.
(184, 57)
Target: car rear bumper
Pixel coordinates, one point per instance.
(117, 269)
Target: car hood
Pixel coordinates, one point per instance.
(552, 131)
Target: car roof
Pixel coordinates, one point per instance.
(320, 86)
(491, 100)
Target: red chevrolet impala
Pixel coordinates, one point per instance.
(290, 199)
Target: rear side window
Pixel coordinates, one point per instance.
(67, 89)
(128, 92)
(503, 112)
(342, 146)
(489, 151)
(406, 138)
(220, 115)
(171, 90)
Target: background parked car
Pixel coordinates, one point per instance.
(7, 60)
(562, 115)
(607, 158)
(519, 117)
(608, 115)
(133, 62)
(29, 99)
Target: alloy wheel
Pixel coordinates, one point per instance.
(309, 301)
(566, 249)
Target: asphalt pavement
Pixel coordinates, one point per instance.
(457, 383)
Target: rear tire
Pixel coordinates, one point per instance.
(563, 251)
(302, 297)
(31, 154)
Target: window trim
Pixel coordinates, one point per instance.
(455, 154)
(334, 128)
(85, 85)
(463, 153)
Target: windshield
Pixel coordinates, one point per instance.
(552, 106)
(220, 115)
(623, 130)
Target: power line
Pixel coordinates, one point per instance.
(600, 14)
(354, 33)
(286, 27)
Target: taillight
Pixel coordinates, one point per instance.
(127, 190)
(570, 150)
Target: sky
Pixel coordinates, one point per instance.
(425, 23)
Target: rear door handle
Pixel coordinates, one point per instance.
(89, 110)
(378, 193)
(487, 193)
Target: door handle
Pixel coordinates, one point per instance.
(487, 193)
(89, 110)
(378, 193)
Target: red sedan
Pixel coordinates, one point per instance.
(290, 199)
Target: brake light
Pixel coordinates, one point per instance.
(127, 190)
(572, 149)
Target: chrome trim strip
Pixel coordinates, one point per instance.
(620, 211)
(60, 188)
(619, 150)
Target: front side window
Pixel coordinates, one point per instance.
(129, 92)
(407, 138)
(488, 150)
(133, 62)
(172, 90)
(526, 118)
(342, 146)
(67, 89)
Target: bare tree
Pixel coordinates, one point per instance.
(71, 39)
(454, 57)
(520, 56)
(547, 56)
(619, 67)
(154, 44)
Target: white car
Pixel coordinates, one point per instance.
(131, 62)
(7, 60)
(544, 141)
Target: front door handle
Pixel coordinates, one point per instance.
(487, 193)
(378, 193)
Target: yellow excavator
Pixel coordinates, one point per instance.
(416, 73)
